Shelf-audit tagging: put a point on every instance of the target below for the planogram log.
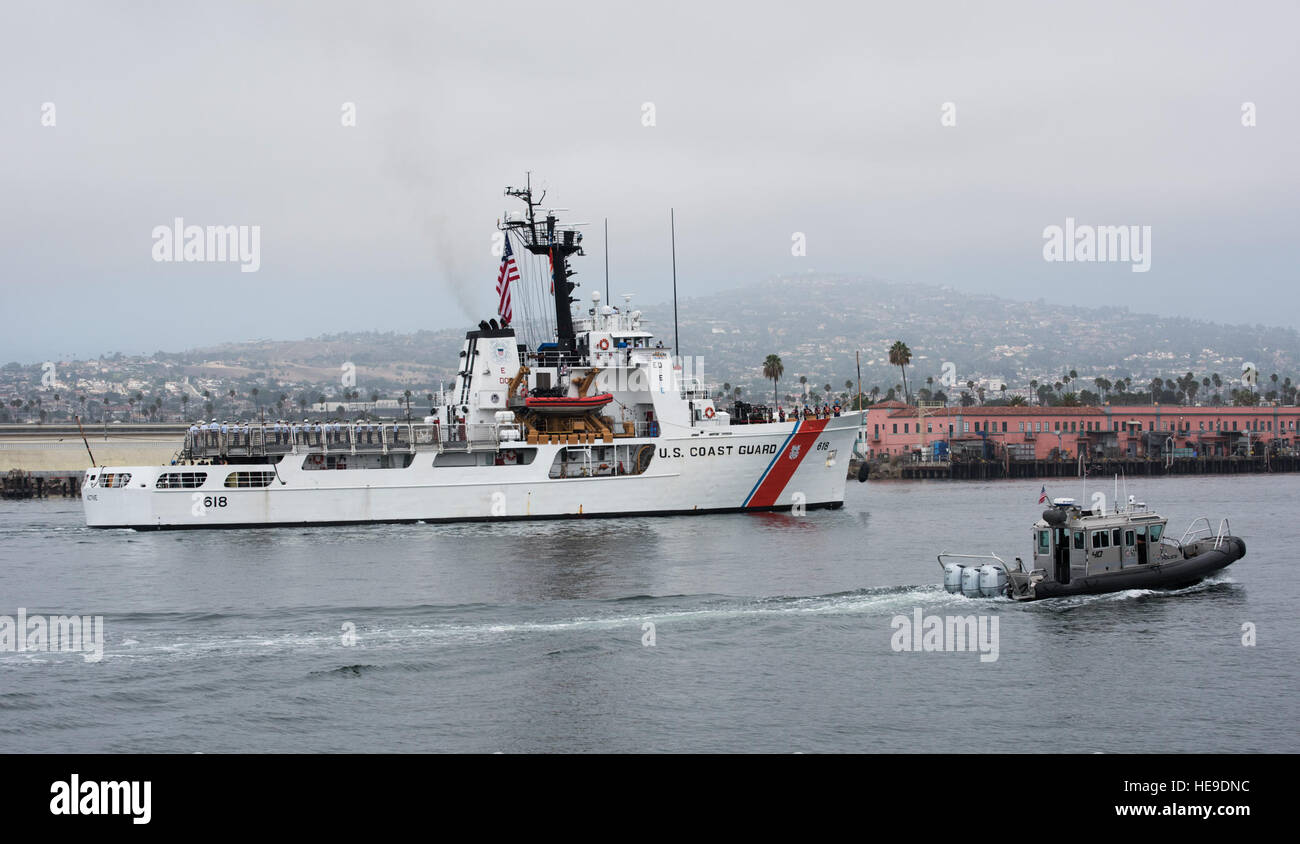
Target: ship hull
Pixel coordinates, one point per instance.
(742, 468)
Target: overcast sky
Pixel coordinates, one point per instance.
(770, 119)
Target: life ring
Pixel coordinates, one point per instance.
(603, 344)
(317, 460)
(708, 413)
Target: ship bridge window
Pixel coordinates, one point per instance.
(1078, 540)
(1156, 530)
(181, 480)
(110, 480)
(1129, 539)
(1100, 539)
(246, 480)
(1044, 541)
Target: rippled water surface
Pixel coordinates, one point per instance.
(770, 633)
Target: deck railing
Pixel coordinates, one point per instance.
(333, 438)
(364, 438)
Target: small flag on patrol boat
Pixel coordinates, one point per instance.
(1042, 496)
(509, 272)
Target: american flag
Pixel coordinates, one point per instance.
(509, 272)
(1042, 496)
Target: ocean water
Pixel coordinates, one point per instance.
(771, 633)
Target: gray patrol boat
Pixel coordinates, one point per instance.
(1082, 552)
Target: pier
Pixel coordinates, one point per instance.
(18, 484)
(975, 469)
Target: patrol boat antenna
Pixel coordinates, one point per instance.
(548, 238)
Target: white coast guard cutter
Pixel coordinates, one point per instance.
(597, 422)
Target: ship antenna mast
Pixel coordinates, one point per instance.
(547, 237)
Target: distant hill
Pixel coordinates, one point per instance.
(815, 322)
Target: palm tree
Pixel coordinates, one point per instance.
(773, 368)
(1033, 386)
(901, 356)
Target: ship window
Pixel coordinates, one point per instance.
(114, 481)
(514, 457)
(1114, 537)
(1129, 539)
(181, 480)
(243, 480)
(1156, 530)
(604, 461)
(1078, 540)
(1044, 541)
(313, 462)
(1100, 539)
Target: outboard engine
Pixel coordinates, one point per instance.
(970, 582)
(952, 577)
(993, 581)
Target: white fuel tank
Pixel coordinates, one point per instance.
(993, 581)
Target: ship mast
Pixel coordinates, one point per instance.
(546, 237)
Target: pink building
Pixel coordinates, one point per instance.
(893, 428)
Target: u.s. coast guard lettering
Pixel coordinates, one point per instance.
(717, 450)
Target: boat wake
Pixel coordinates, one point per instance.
(618, 621)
